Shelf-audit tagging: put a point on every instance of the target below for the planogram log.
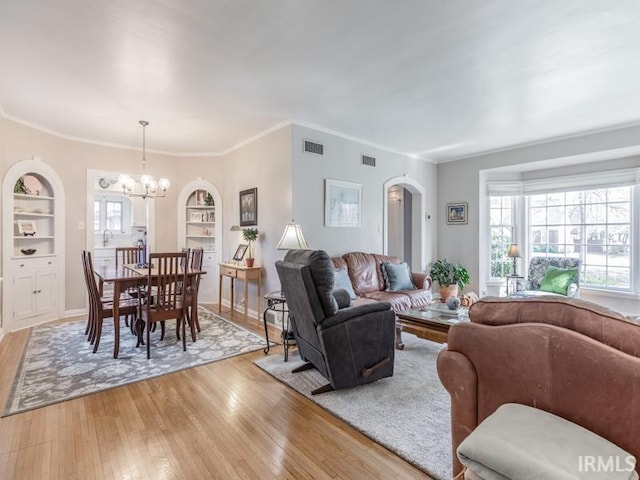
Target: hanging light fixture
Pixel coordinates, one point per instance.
(150, 188)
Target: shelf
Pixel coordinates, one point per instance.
(31, 197)
(212, 237)
(41, 237)
(33, 214)
(201, 207)
(43, 255)
(201, 223)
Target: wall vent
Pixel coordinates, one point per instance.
(367, 160)
(313, 147)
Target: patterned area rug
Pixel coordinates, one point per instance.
(408, 413)
(58, 363)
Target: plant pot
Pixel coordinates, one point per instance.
(448, 291)
(249, 261)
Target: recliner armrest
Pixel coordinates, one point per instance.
(352, 312)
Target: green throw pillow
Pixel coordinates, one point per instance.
(397, 276)
(557, 280)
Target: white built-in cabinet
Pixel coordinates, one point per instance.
(199, 226)
(33, 239)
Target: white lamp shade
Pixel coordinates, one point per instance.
(292, 238)
(514, 251)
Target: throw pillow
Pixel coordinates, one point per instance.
(342, 281)
(342, 297)
(397, 276)
(557, 280)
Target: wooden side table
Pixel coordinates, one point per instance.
(246, 274)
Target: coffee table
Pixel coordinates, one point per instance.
(427, 323)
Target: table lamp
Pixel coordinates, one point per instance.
(292, 238)
(514, 252)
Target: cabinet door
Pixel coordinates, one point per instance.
(24, 286)
(45, 291)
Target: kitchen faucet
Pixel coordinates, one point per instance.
(105, 236)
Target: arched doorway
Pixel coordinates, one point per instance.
(404, 225)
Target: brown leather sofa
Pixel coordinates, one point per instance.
(567, 356)
(365, 273)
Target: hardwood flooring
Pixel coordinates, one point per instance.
(225, 420)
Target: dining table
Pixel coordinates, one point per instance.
(127, 276)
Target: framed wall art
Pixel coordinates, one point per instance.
(342, 204)
(249, 207)
(457, 213)
(27, 227)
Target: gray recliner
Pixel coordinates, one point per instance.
(350, 346)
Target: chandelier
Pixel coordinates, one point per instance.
(150, 188)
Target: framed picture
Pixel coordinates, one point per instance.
(240, 251)
(195, 217)
(201, 196)
(456, 213)
(249, 207)
(342, 203)
(26, 227)
(211, 217)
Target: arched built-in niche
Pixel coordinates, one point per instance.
(33, 239)
(200, 226)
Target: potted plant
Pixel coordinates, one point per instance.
(451, 278)
(250, 235)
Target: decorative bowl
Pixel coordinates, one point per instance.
(28, 251)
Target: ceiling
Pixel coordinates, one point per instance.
(440, 79)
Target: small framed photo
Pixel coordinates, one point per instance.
(249, 207)
(342, 204)
(457, 213)
(201, 196)
(211, 217)
(195, 217)
(26, 227)
(240, 251)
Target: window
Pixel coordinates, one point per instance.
(111, 213)
(593, 225)
(501, 215)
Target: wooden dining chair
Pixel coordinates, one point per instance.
(101, 308)
(127, 255)
(191, 300)
(167, 275)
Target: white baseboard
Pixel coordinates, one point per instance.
(240, 309)
(75, 313)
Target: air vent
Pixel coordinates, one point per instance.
(366, 160)
(313, 147)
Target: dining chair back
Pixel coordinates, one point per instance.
(197, 254)
(100, 308)
(167, 274)
(128, 255)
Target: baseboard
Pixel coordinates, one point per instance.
(75, 313)
(254, 315)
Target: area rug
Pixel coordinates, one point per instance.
(58, 363)
(408, 413)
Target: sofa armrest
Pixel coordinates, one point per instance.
(351, 312)
(421, 280)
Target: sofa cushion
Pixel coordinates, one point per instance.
(380, 259)
(321, 270)
(363, 272)
(341, 280)
(399, 301)
(557, 280)
(397, 276)
(419, 298)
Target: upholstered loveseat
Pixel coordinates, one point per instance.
(368, 281)
(566, 356)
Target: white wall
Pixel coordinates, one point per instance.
(341, 161)
(464, 181)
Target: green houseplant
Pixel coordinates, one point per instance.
(451, 277)
(250, 235)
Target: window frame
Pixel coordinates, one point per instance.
(125, 216)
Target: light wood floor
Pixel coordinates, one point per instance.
(226, 420)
